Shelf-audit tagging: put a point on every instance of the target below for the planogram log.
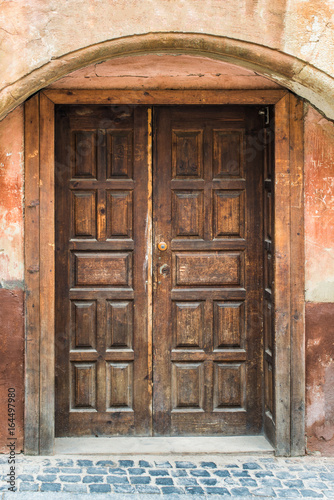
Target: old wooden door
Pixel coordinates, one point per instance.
(207, 274)
(102, 378)
(208, 282)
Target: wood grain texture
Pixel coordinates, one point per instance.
(268, 302)
(297, 283)
(149, 97)
(149, 264)
(282, 269)
(32, 263)
(102, 383)
(206, 347)
(47, 277)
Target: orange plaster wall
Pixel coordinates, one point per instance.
(11, 199)
(11, 273)
(319, 207)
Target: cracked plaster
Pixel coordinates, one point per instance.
(41, 39)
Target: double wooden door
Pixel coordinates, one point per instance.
(159, 277)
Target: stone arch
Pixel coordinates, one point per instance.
(287, 70)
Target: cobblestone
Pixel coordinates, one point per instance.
(99, 488)
(70, 479)
(222, 473)
(179, 473)
(209, 481)
(75, 488)
(106, 463)
(163, 465)
(240, 492)
(166, 481)
(47, 477)
(140, 479)
(185, 465)
(171, 490)
(243, 477)
(158, 472)
(50, 487)
(194, 490)
(148, 489)
(312, 493)
(200, 473)
(96, 470)
(29, 487)
(118, 472)
(217, 491)
(92, 479)
(186, 481)
(123, 488)
(117, 480)
(144, 463)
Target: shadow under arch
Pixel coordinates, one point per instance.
(295, 74)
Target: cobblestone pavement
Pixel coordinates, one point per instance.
(229, 476)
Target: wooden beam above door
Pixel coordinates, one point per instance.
(165, 96)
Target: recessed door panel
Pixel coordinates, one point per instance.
(207, 318)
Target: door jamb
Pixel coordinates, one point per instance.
(288, 257)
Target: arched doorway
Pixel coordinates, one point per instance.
(40, 112)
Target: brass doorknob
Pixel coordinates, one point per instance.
(162, 246)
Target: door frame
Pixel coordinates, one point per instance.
(289, 315)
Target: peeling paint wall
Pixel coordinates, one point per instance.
(43, 32)
(12, 363)
(11, 200)
(319, 274)
(320, 378)
(319, 207)
(11, 272)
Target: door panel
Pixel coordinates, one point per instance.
(207, 315)
(207, 284)
(102, 379)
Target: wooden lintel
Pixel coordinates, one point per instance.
(170, 97)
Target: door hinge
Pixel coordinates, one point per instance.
(266, 114)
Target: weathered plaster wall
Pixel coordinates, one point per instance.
(319, 207)
(12, 363)
(289, 40)
(319, 274)
(11, 189)
(320, 377)
(11, 272)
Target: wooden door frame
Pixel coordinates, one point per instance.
(288, 254)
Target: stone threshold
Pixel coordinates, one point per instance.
(163, 445)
